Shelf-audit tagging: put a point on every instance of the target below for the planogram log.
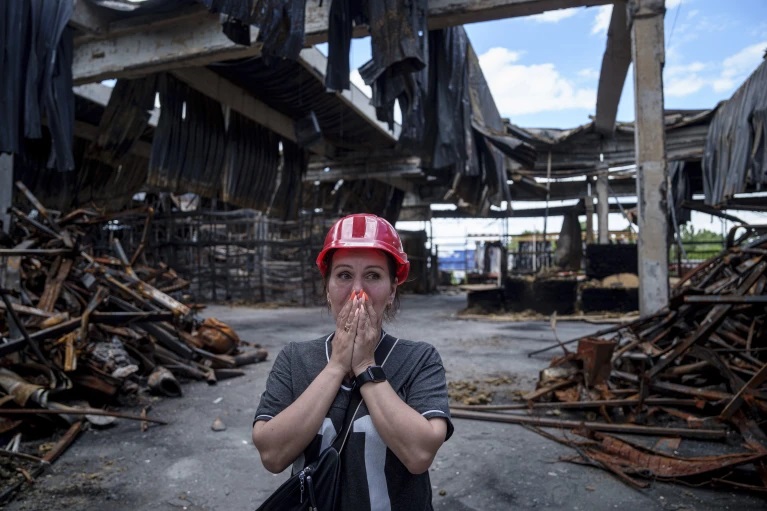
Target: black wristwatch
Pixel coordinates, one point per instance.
(372, 373)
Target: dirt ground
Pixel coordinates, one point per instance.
(186, 465)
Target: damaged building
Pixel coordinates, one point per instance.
(159, 155)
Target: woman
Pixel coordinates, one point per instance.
(404, 417)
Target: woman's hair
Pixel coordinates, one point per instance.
(391, 310)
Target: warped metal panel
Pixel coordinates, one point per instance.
(36, 72)
(736, 146)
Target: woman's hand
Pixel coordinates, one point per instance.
(346, 330)
(368, 334)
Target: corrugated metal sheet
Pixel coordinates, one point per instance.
(189, 144)
(36, 77)
(288, 87)
(736, 146)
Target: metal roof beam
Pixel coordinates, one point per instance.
(195, 38)
(214, 86)
(615, 66)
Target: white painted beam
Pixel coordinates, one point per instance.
(615, 66)
(89, 18)
(196, 39)
(652, 175)
(100, 94)
(315, 62)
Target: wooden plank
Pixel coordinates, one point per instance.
(53, 285)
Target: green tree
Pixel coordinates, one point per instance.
(699, 244)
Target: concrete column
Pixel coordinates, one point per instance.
(602, 208)
(650, 140)
(6, 189)
(589, 203)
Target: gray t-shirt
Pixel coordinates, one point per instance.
(373, 478)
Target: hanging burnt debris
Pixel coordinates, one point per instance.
(84, 332)
(680, 395)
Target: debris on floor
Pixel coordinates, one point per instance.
(84, 331)
(679, 395)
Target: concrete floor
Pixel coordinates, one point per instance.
(185, 465)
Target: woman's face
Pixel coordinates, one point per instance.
(360, 269)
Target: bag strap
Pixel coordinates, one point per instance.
(383, 350)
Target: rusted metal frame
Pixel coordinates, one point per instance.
(144, 235)
(752, 250)
(70, 360)
(251, 357)
(126, 318)
(20, 455)
(581, 448)
(720, 285)
(72, 216)
(12, 313)
(51, 456)
(11, 252)
(36, 225)
(657, 326)
(599, 333)
(147, 363)
(125, 291)
(147, 290)
(751, 432)
(163, 337)
(53, 284)
(737, 401)
(531, 396)
(726, 299)
(29, 311)
(170, 361)
(740, 353)
(710, 357)
(712, 321)
(594, 426)
(118, 248)
(717, 265)
(707, 394)
(152, 293)
(61, 234)
(653, 401)
(68, 410)
(53, 332)
(682, 370)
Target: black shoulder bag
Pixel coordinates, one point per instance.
(316, 487)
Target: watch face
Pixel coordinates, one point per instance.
(377, 373)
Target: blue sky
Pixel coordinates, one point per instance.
(543, 70)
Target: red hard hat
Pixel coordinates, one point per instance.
(364, 230)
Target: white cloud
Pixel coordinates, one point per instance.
(670, 4)
(683, 86)
(589, 73)
(554, 16)
(520, 89)
(736, 68)
(602, 19)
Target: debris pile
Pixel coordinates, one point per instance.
(678, 395)
(82, 333)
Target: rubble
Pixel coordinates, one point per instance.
(84, 330)
(678, 395)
